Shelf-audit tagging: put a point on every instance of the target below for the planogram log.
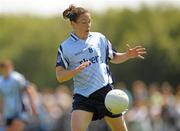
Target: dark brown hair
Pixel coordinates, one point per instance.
(6, 63)
(72, 13)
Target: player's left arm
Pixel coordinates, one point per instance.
(28, 88)
(31, 95)
(134, 52)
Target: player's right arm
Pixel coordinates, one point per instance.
(63, 74)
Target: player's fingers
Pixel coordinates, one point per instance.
(128, 46)
(138, 47)
(140, 56)
(87, 63)
(142, 52)
(83, 66)
(141, 49)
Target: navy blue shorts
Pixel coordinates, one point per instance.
(94, 103)
(9, 121)
(23, 116)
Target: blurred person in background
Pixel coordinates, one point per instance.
(53, 112)
(42, 120)
(155, 106)
(63, 96)
(139, 90)
(168, 111)
(85, 57)
(177, 107)
(12, 86)
(138, 116)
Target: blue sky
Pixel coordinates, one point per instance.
(53, 7)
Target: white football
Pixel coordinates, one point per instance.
(117, 101)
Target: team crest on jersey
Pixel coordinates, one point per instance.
(90, 50)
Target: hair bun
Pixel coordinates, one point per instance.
(72, 16)
(69, 11)
(72, 13)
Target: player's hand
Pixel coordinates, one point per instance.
(137, 51)
(82, 66)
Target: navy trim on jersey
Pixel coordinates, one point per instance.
(114, 52)
(74, 37)
(60, 59)
(62, 52)
(107, 55)
(107, 61)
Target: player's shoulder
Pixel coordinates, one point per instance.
(16, 75)
(66, 44)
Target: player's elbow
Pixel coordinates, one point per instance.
(59, 75)
(60, 79)
(115, 61)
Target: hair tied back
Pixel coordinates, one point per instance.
(72, 16)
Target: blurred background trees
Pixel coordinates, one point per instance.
(32, 43)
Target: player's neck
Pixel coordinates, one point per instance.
(7, 74)
(81, 35)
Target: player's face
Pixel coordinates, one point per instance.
(5, 69)
(82, 25)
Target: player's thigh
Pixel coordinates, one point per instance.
(17, 125)
(80, 120)
(116, 124)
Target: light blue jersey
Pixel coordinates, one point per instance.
(10, 89)
(97, 49)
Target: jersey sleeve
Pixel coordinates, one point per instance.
(22, 82)
(61, 60)
(109, 50)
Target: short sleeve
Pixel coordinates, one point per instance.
(110, 51)
(61, 60)
(21, 81)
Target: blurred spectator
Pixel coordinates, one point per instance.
(138, 116)
(54, 111)
(155, 106)
(139, 90)
(64, 98)
(177, 108)
(168, 111)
